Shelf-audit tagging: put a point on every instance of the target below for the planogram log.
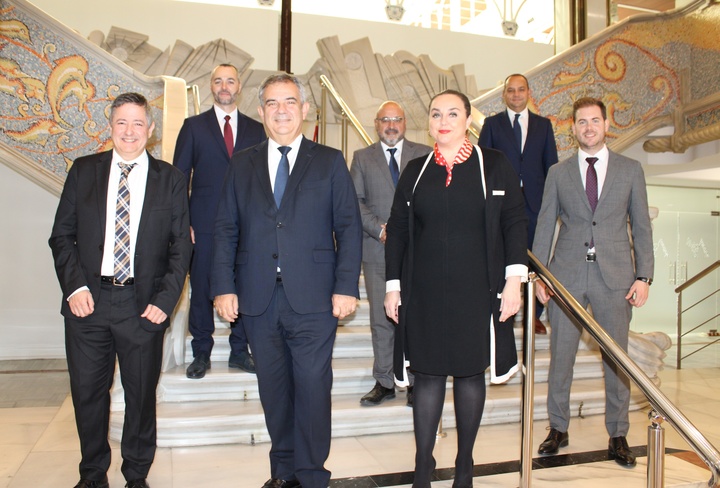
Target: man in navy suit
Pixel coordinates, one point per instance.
(121, 245)
(288, 246)
(528, 141)
(203, 150)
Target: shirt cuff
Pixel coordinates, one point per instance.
(392, 285)
(82, 288)
(517, 270)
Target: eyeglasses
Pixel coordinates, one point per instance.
(387, 120)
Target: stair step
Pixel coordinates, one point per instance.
(224, 421)
(352, 376)
(352, 341)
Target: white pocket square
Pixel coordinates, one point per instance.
(498, 192)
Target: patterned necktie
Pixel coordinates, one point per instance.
(122, 225)
(591, 183)
(591, 188)
(517, 130)
(394, 169)
(228, 135)
(283, 173)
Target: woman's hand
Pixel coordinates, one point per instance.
(510, 298)
(392, 302)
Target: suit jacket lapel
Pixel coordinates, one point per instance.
(302, 162)
(612, 171)
(151, 191)
(576, 179)
(215, 131)
(259, 162)
(380, 161)
(102, 173)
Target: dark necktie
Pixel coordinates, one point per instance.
(591, 183)
(394, 169)
(228, 136)
(517, 130)
(282, 175)
(122, 225)
(591, 188)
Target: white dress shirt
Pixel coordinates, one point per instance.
(137, 181)
(274, 156)
(220, 114)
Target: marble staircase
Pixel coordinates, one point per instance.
(224, 407)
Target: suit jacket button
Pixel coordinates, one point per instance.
(280, 225)
(275, 255)
(587, 244)
(594, 223)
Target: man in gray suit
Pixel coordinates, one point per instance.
(375, 171)
(593, 194)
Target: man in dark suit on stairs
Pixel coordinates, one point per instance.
(528, 141)
(288, 246)
(121, 245)
(203, 150)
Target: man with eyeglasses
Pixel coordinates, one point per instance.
(375, 171)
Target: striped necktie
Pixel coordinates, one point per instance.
(122, 225)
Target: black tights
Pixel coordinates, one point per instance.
(469, 401)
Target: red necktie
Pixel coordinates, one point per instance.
(228, 135)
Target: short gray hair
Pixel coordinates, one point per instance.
(281, 78)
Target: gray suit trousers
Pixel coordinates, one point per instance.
(381, 327)
(613, 312)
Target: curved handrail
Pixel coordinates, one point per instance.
(698, 277)
(657, 399)
(347, 111)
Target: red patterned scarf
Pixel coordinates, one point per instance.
(462, 156)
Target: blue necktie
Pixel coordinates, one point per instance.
(517, 130)
(283, 173)
(394, 169)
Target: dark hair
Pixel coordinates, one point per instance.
(461, 96)
(135, 99)
(281, 78)
(527, 83)
(589, 102)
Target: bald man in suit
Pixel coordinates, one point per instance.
(528, 141)
(594, 194)
(375, 170)
(202, 152)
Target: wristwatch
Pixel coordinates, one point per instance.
(646, 280)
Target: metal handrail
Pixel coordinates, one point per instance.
(657, 399)
(702, 274)
(346, 112)
(680, 310)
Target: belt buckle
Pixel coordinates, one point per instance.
(115, 282)
(590, 257)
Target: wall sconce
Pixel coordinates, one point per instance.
(266, 3)
(510, 27)
(394, 9)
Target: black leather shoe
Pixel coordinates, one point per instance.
(410, 396)
(619, 450)
(553, 442)
(276, 483)
(83, 483)
(377, 395)
(242, 360)
(138, 483)
(198, 367)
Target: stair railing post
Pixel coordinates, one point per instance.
(656, 451)
(323, 116)
(528, 383)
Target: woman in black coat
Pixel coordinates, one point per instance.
(455, 258)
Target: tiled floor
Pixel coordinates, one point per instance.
(39, 446)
